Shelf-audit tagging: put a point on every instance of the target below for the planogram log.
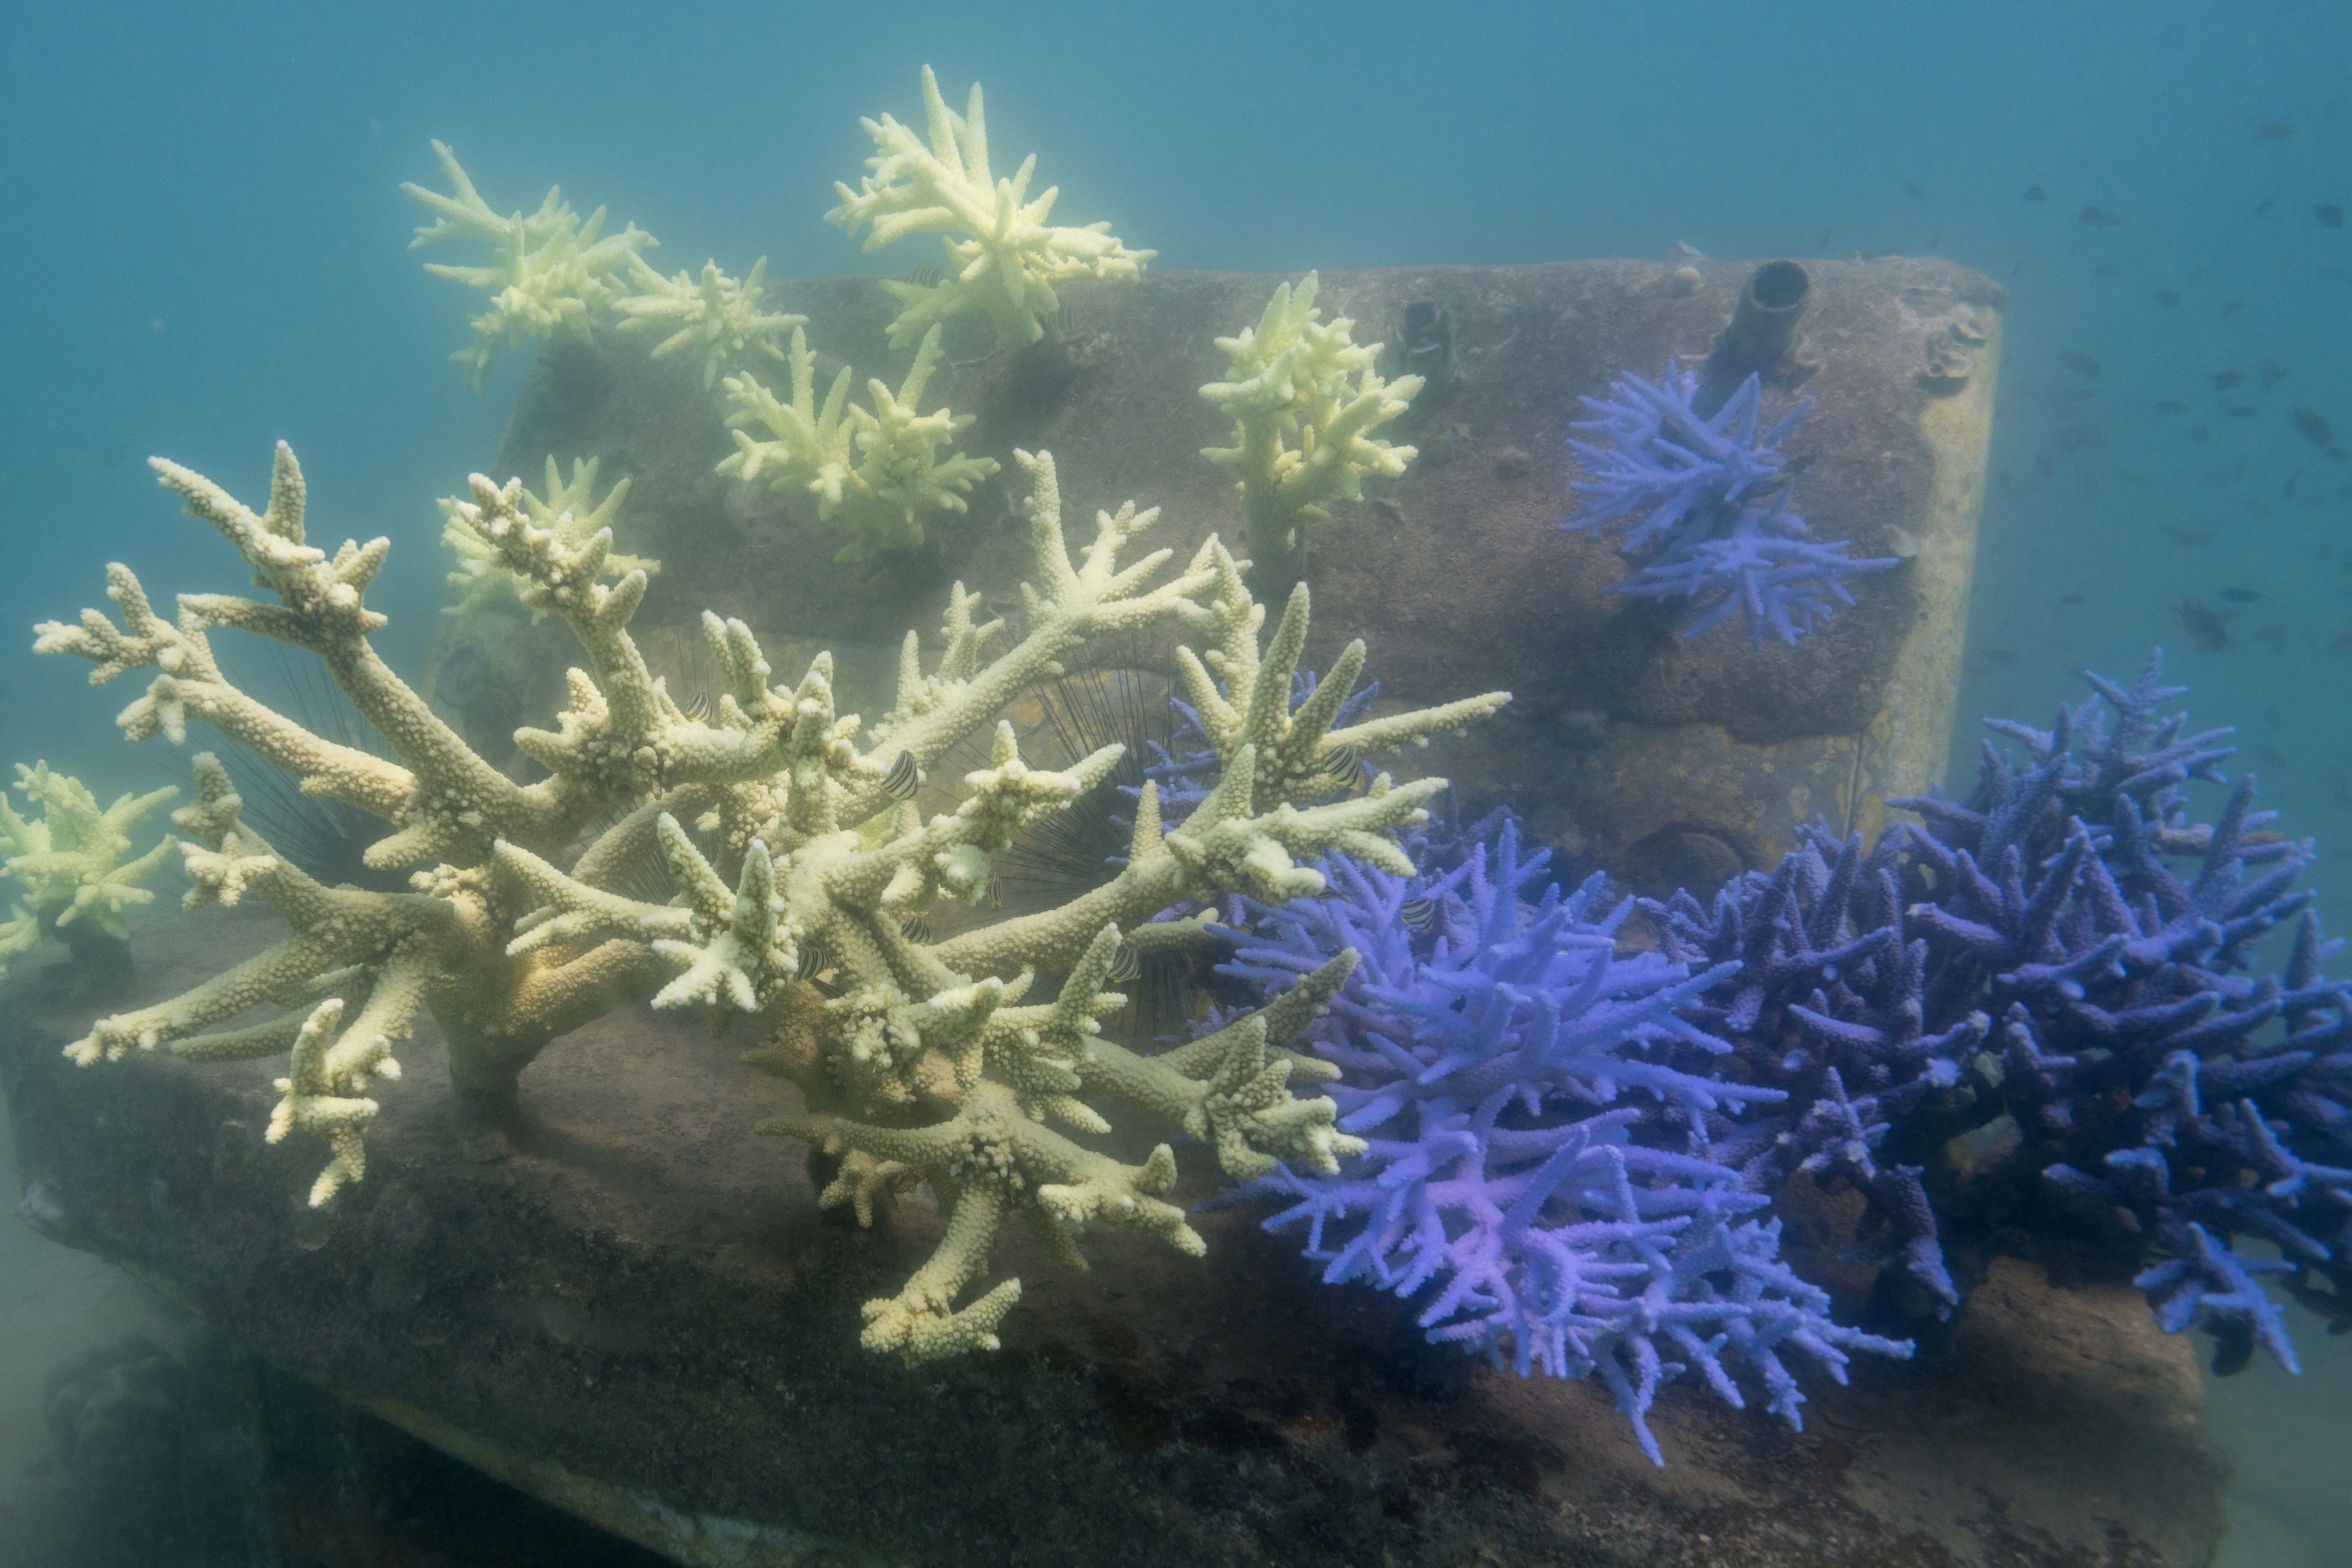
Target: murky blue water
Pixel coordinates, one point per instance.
(206, 253)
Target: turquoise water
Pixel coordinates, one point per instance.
(206, 255)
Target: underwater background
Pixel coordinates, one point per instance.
(208, 254)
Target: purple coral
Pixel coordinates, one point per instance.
(2064, 966)
(1537, 1164)
(1715, 497)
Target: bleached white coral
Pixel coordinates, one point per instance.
(716, 315)
(1304, 399)
(482, 577)
(878, 467)
(552, 276)
(922, 1061)
(69, 862)
(1000, 255)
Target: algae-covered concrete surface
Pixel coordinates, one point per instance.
(1627, 747)
(632, 1307)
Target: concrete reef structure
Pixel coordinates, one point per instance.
(917, 1061)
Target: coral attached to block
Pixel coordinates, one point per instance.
(1304, 399)
(1713, 496)
(482, 577)
(2042, 1015)
(72, 880)
(878, 469)
(796, 857)
(716, 315)
(1535, 1163)
(1000, 255)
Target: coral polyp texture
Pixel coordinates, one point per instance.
(796, 860)
(482, 578)
(1536, 1169)
(73, 881)
(878, 469)
(2042, 1016)
(1709, 497)
(1000, 254)
(1304, 399)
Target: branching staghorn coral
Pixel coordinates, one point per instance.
(75, 884)
(1304, 399)
(552, 275)
(921, 1062)
(1002, 256)
(878, 469)
(482, 578)
(715, 314)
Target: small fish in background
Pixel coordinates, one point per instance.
(2080, 363)
(2227, 380)
(923, 278)
(2208, 632)
(2201, 433)
(2006, 481)
(2100, 218)
(2036, 194)
(2169, 298)
(2242, 411)
(2314, 427)
(2345, 640)
(2105, 269)
(2273, 130)
(1998, 658)
(2073, 599)
(2233, 306)
(2079, 438)
(2042, 461)
(2267, 206)
(2271, 372)
(1911, 188)
(2238, 595)
(2187, 538)
(2171, 406)
(2286, 491)
(2329, 214)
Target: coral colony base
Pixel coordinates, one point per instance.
(918, 1062)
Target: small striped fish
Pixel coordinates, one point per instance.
(924, 278)
(995, 893)
(1066, 319)
(1344, 768)
(813, 958)
(1126, 968)
(1420, 915)
(916, 928)
(904, 778)
(697, 707)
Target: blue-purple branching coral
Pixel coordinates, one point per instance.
(1713, 497)
(2040, 1019)
(1537, 1169)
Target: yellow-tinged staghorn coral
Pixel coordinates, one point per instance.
(921, 1062)
(716, 315)
(878, 469)
(482, 577)
(1002, 256)
(69, 864)
(1304, 399)
(552, 275)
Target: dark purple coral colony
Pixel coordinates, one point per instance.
(2039, 1016)
(2037, 1020)
(1711, 494)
